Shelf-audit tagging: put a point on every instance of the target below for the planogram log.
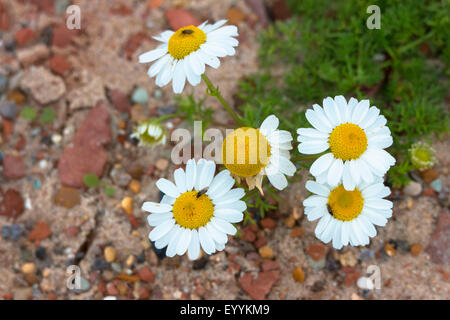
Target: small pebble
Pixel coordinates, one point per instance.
(85, 285)
(365, 283)
(266, 252)
(130, 260)
(127, 205)
(162, 164)
(135, 186)
(298, 275)
(12, 232)
(389, 250)
(413, 189)
(41, 253)
(348, 259)
(110, 254)
(116, 267)
(140, 96)
(3, 84)
(437, 185)
(56, 139)
(289, 222)
(100, 264)
(157, 94)
(416, 249)
(8, 109)
(28, 268)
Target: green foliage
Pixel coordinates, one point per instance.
(47, 116)
(28, 113)
(326, 50)
(194, 110)
(109, 191)
(91, 180)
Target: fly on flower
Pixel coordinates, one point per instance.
(197, 211)
(348, 217)
(355, 134)
(252, 153)
(184, 53)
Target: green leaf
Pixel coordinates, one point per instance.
(28, 113)
(47, 116)
(109, 191)
(91, 180)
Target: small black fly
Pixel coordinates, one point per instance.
(201, 192)
(187, 31)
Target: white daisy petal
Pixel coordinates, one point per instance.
(171, 250)
(279, 181)
(158, 218)
(194, 246)
(224, 226)
(322, 164)
(167, 187)
(318, 121)
(180, 180)
(327, 234)
(337, 236)
(314, 201)
(183, 242)
(323, 222)
(335, 172)
(360, 111)
(215, 234)
(191, 174)
(179, 77)
(152, 55)
(233, 216)
(313, 147)
(348, 181)
(345, 233)
(317, 188)
(230, 196)
(164, 240)
(156, 207)
(218, 182)
(269, 125)
(205, 240)
(316, 212)
(161, 229)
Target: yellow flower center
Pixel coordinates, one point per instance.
(185, 41)
(245, 151)
(347, 141)
(192, 212)
(345, 205)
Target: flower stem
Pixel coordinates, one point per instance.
(169, 116)
(301, 157)
(214, 92)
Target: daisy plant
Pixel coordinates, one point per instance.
(345, 145)
(198, 210)
(150, 133)
(184, 54)
(347, 217)
(352, 136)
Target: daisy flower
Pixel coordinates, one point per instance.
(150, 133)
(422, 155)
(348, 217)
(252, 153)
(184, 53)
(197, 211)
(355, 134)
